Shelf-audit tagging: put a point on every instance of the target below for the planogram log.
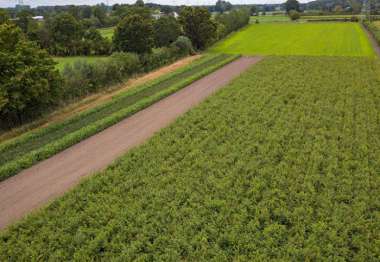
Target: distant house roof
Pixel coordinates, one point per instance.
(38, 17)
(157, 15)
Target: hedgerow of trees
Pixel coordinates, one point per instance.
(30, 85)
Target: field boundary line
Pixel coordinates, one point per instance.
(372, 39)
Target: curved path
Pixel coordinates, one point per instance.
(35, 186)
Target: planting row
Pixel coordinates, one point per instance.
(32, 147)
(282, 164)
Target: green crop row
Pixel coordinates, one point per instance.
(25, 151)
(282, 164)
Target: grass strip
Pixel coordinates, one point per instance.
(27, 160)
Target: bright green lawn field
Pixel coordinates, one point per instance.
(316, 39)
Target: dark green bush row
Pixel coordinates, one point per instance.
(232, 21)
(11, 168)
(82, 78)
(336, 19)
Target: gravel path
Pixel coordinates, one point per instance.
(35, 186)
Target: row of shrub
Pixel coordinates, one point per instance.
(334, 19)
(232, 21)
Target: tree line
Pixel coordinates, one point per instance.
(30, 85)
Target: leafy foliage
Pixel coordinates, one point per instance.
(294, 15)
(183, 45)
(134, 34)
(4, 17)
(222, 6)
(66, 34)
(292, 5)
(166, 31)
(270, 168)
(232, 21)
(198, 26)
(28, 81)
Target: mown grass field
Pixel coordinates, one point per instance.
(107, 32)
(282, 164)
(315, 39)
(31, 147)
(62, 61)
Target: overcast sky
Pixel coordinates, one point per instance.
(12, 3)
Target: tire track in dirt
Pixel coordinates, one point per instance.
(35, 186)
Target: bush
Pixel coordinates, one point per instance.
(354, 19)
(183, 45)
(158, 57)
(166, 31)
(134, 34)
(232, 21)
(83, 78)
(294, 15)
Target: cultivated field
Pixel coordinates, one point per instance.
(316, 39)
(31, 147)
(282, 164)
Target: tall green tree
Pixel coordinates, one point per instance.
(139, 3)
(222, 6)
(66, 35)
(4, 17)
(292, 5)
(86, 12)
(198, 26)
(100, 12)
(28, 79)
(134, 34)
(24, 19)
(166, 31)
